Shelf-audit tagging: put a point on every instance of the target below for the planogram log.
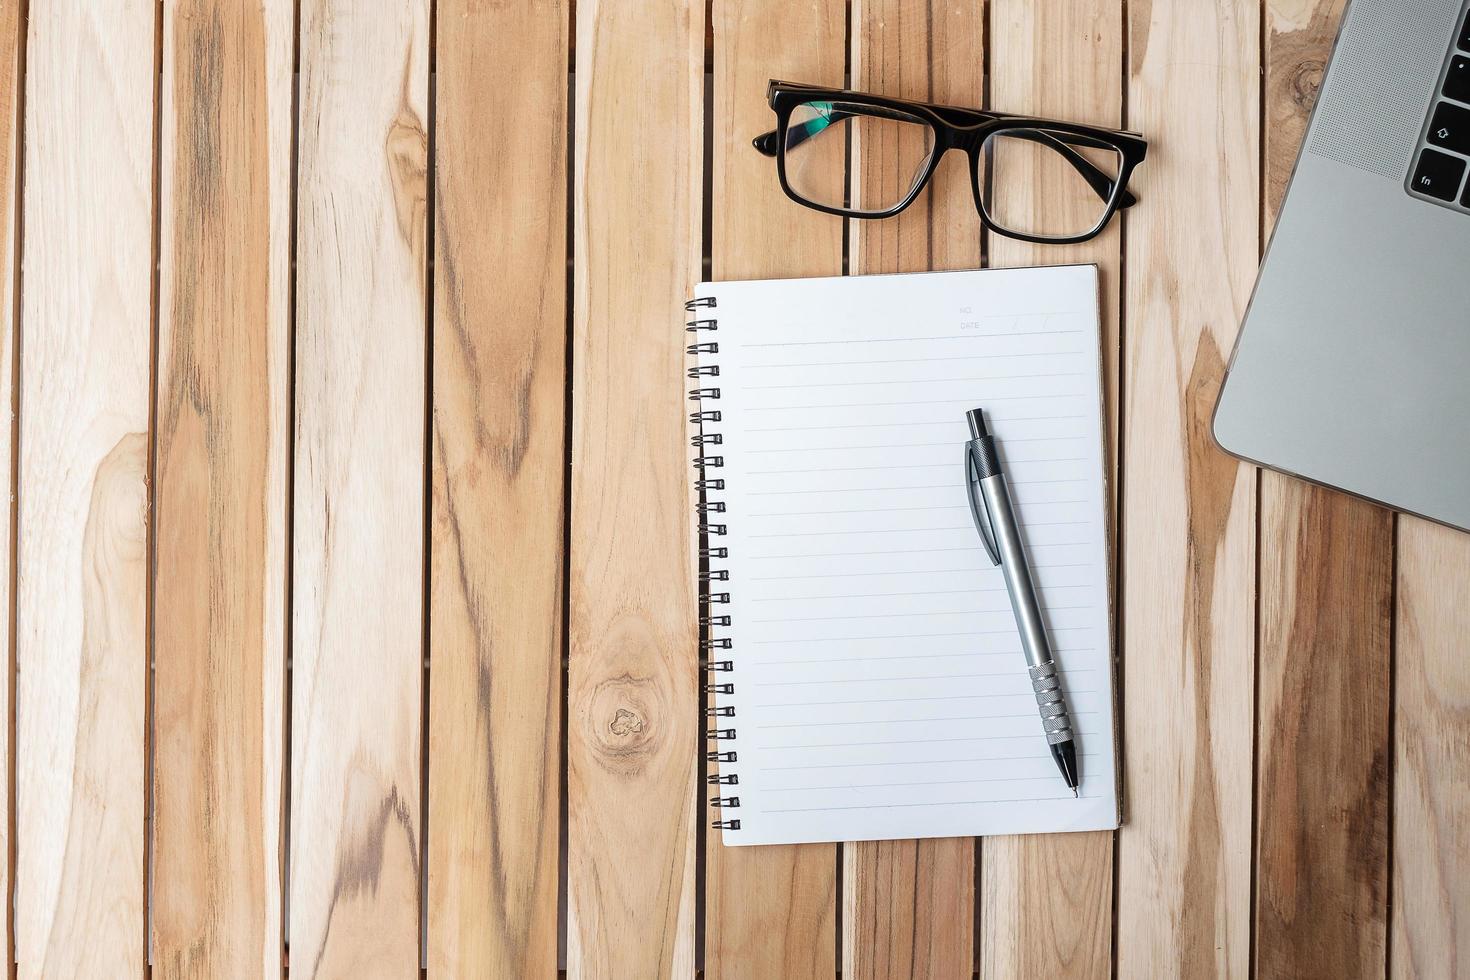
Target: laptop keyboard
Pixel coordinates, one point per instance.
(1439, 171)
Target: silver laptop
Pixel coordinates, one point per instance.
(1353, 366)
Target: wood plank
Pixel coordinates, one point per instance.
(1431, 837)
(1324, 662)
(81, 609)
(633, 725)
(1188, 510)
(1047, 902)
(908, 906)
(12, 43)
(1298, 42)
(499, 457)
(222, 411)
(769, 911)
(358, 538)
(1323, 769)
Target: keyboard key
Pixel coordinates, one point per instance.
(1465, 35)
(1451, 128)
(1438, 175)
(1457, 82)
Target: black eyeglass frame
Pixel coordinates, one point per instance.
(956, 127)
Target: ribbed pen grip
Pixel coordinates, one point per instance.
(985, 457)
(1048, 687)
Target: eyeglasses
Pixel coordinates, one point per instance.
(867, 156)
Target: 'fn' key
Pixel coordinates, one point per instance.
(1438, 175)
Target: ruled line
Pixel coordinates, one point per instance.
(909, 741)
(811, 385)
(922, 656)
(909, 615)
(918, 677)
(906, 721)
(910, 466)
(837, 449)
(886, 571)
(890, 530)
(912, 636)
(996, 420)
(925, 782)
(908, 445)
(987, 356)
(896, 595)
(858, 554)
(946, 697)
(923, 761)
(906, 340)
(893, 806)
(1022, 505)
(869, 595)
(990, 399)
(859, 510)
(922, 486)
(926, 571)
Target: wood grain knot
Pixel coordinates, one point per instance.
(625, 729)
(626, 722)
(117, 519)
(1305, 83)
(407, 147)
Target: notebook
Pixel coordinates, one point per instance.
(865, 672)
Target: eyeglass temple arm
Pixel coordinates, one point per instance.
(1101, 183)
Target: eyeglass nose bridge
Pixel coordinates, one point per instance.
(969, 141)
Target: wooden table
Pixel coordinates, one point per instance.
(352, 598)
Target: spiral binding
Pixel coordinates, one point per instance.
(705, 324)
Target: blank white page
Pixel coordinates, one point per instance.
(879, 689)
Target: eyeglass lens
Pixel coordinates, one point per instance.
(1045, 184)
(844, 155)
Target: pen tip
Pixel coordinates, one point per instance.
(1074, 793)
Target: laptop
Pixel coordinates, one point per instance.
(1352, 368)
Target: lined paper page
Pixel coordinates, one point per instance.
(879, 686)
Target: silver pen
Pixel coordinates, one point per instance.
(995, 519)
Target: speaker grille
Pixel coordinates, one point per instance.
(1382, 79)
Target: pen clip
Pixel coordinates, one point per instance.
(983, 523)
